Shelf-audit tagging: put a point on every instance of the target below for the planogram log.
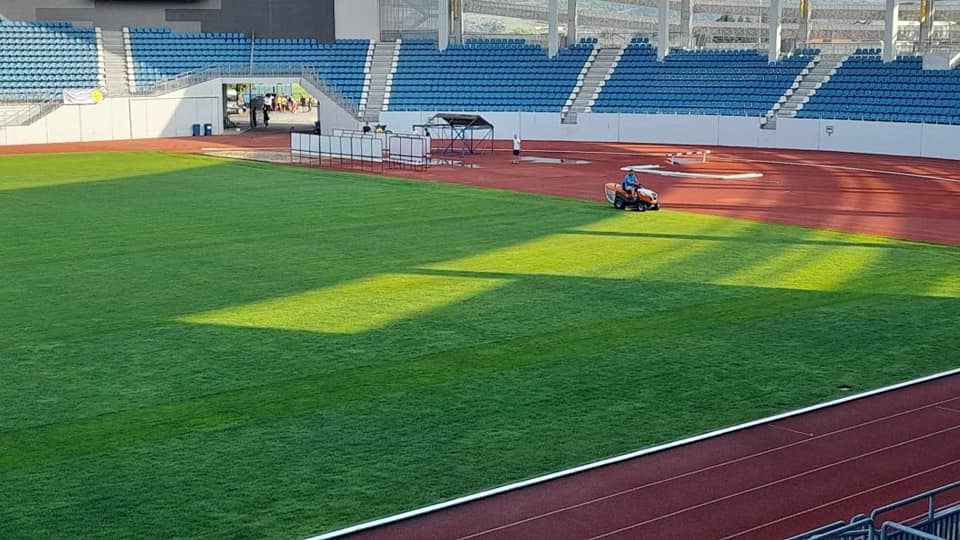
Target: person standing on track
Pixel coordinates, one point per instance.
(516, 148)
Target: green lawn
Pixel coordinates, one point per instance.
(197, 347)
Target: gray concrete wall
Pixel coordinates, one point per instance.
(265, 18)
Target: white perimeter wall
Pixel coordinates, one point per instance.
(171, 115)
(893, 138)
(357, 19)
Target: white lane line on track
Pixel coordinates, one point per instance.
(846, 498)
(948, 409)
(771, 162)
(623, 457)
(841, 168)
(784, 428)
(700, 470)
(780, 481)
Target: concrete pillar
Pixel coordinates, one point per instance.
(803, 36)
(456, 18)
(443, 24)
(891, 25)
(553, 27)
(663, 29)
(686, 24)
(572, 20)
(927, 16)
(775, 30)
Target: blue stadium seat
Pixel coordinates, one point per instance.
(485, 75)
(159, 54)
(722, 82)
(41, 59)
(866, 88)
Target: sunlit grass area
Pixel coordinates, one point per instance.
(195, 347)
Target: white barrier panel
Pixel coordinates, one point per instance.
(409, 149)
(354, 148)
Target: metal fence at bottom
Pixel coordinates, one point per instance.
(936, 522)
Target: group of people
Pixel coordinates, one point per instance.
(379, 128)
(280, 102)
(269, 103)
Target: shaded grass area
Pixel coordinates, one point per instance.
(195, 347)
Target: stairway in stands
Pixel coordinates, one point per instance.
(115, 63)
(820, 71)
(382, 66)
(596, 72)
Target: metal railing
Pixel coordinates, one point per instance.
(310, 76)
(31, 111)
(305, 73)
(934, 524)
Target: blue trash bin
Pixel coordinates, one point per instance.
(207, 130)
(196, 130)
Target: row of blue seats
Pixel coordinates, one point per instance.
(885, 117)
(35, 24)
(539, 74)
(889, 94)
(683, 110)
(680, 76)
(666, 91)
(706, 101)
(42, 33)
(479, 107)
(891, 108)
(888, 104)
(491, 94)
(869, 113)
(897, 82)
(484, 85)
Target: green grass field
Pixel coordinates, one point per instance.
(197, 347)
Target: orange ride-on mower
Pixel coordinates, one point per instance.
(621, 199)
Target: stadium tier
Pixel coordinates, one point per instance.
(159, 54)
(43, 58)
(739, 82)
(865, 88)
(485, 75)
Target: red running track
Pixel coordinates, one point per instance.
(768, 481)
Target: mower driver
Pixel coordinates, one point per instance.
(630, 184)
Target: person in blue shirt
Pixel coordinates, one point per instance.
(630, 183)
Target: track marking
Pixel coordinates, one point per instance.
(771, 162)
(840, 167)
(697, 471)
(941, 407)
(775, 482)
(846, 498)
(625, 457)
(784, 428)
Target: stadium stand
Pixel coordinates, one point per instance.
(865, 88)
(159, 53)
(724, 82)
(485, 75)
(40, 59)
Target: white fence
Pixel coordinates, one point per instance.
(365, 149)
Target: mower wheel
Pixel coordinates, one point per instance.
(619, 203)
